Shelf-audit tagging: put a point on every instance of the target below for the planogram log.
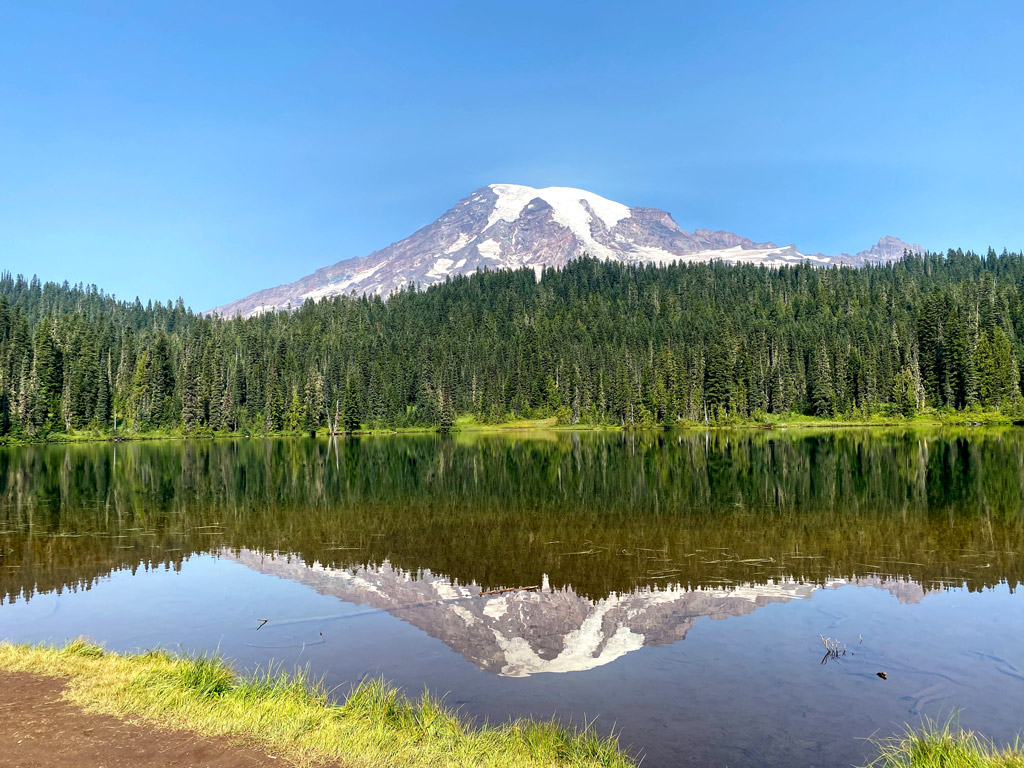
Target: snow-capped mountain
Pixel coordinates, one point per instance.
(507, 226)
(525, 632)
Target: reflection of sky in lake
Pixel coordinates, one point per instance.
(710, 677)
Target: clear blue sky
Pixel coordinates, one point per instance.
(209, 149)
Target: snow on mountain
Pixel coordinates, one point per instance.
(509, 226)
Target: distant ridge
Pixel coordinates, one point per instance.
(508, 226)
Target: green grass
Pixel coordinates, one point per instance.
(929, 418)
(469, 423)
(292, 717)
(945, 746)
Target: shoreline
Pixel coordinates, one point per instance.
(130, 709)
(540, 425)
(294, 717)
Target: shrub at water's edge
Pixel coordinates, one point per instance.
(294, 718)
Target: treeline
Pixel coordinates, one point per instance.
(592, 343)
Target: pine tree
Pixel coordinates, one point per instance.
(718, 368)
(295, 412)
(102, 410)
(821, 390)
(350, 409)
(47, 380)
(447, 416)
(192, 414)
(961, 370)
(273, 411)
(220, 402)
(997, 371)
(314, 399)
(904, 394)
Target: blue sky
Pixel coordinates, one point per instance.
(206, 150)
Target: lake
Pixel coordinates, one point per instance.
(680, 584)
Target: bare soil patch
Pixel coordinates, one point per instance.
(39, 728)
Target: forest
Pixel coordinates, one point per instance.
(593, 343)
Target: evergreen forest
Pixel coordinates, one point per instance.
(593, 343)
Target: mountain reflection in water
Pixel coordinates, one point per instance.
(525, 632)
(369, 556)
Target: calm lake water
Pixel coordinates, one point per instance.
(682, 580)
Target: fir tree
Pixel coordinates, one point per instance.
(350, 409)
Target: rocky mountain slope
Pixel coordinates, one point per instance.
(507, 226)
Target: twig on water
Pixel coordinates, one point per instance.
(833, 649)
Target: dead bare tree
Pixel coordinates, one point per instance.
(332, 426)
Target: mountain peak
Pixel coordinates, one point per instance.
(574, 208)
(887, 249)
(511, 226)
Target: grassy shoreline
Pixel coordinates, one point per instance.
(294, 718)
(469, 425)
(945, 746)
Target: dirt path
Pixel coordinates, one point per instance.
(38, 728)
